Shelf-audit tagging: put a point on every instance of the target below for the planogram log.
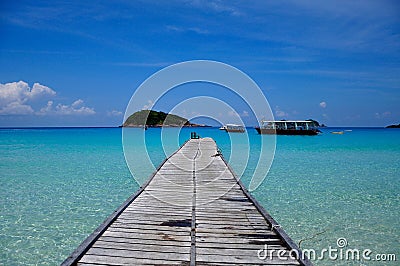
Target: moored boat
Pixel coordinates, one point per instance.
(234, 128)
(288, 128)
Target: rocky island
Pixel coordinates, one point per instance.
(393, 126)
(150, 118)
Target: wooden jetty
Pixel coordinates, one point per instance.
(192, 211)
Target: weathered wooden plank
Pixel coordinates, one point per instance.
(237, 240)
(160, 210)
(147, 242)
(140, 254)
(165, 231)
(139, 246)
(155, 216)
(227, 217)
(236, 234)
(237, 227)
(159, 236)
(209, 220)
(238, 246)
(176, 226)
(114, 260)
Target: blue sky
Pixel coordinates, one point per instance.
(79, 63)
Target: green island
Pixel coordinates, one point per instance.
(152, 118)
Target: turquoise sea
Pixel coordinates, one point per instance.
(58, 185)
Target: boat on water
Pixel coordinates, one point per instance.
(288, 128)
(234, 128)
(222, 128)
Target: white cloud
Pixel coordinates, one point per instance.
(197, 30)
(40, 90)
(174, 28)
(76, 108)
(16, 108)
(47, 109)
(77, 103)
(382, 115)
(148, 105)
(322, 104)
(217, 6)
(236, 114)
(233, 113)
(15, 97)
(21, 92)
(280, 113)
(114, 113)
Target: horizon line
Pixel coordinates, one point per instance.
(119, 126)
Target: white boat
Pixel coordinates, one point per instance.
(234, 128)
(288, 128)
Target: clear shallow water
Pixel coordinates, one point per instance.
(58, 185)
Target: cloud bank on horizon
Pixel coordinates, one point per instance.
(334, 61)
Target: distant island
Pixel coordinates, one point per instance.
(316, 123)
(152, 118)
(393, 126)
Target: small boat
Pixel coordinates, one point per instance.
(337, 132)
(234, 128)
(222, 128)
(288, 128)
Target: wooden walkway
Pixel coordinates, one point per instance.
(192, 211)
